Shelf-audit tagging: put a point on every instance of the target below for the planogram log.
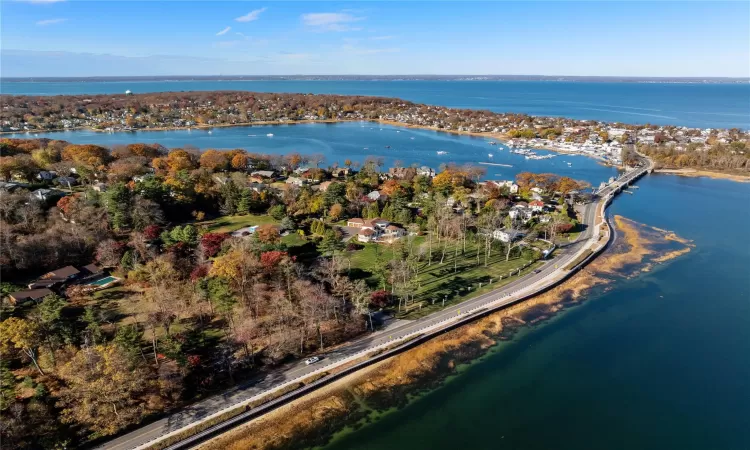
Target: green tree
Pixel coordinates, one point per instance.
(129, 338)
(331, 243)
(287, 223)
(118, 202)
(7, 387)
(126, 262)
(278, 212)
(336, 193)
(221, 296)
(245, 202)
(93, 328)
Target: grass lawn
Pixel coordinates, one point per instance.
(438, 281)
(227, 224)
(293, 240)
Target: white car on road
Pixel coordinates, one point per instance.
(312, 360)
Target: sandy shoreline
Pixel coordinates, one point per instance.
(696, 173)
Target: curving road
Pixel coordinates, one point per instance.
(551, 273)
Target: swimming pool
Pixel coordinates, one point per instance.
(103, 281)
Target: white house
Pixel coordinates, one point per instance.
(426, 171)
(520, 212)
(366, 235)
(263, 173)
(507, 235)
(295, 180)
(374, 195)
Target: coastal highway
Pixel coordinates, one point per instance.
(551, 273)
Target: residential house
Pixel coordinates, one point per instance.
(340, 172)
(355, 223)
(295, 181)
(9, 186)
(374, 195)
(402, 172)
(537, 206)
(45, 194)
(17, 298)
(392, 232)
(426, 171)
(512, 187)
(263, 174)
(99, 187)
(507, 235)
(324, 185)
(62, 275)
(91, 270)
(66, 181)
(46, 175)
(366, 235)
(520, 213)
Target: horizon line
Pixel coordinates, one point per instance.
(509, 76)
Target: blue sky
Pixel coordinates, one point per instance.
(108, 38)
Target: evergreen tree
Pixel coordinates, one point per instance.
(118, 204)
(129, 338)
(246, 199)
(126, 262)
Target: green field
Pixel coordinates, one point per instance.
(227, 224)
(441, 281)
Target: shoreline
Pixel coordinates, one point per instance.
(363, 397)
(501, 137)
(699, 173)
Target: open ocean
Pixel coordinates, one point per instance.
(701, 105)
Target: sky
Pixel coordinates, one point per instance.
(126, 38)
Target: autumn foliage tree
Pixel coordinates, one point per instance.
(211, 243)
(104, 389)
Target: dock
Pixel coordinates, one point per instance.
(495, 164)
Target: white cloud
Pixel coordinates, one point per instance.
(251, 16)
(43, 23)
(331, 21)
(224, 31)
(40, 2)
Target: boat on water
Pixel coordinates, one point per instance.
(441, 152)
(570, 164)
(493, 143)
(210, 132)
(387, 146)
(490, 155)
(270, 135)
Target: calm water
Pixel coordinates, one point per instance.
(684, 104)
(355, 141)
(661, 362)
